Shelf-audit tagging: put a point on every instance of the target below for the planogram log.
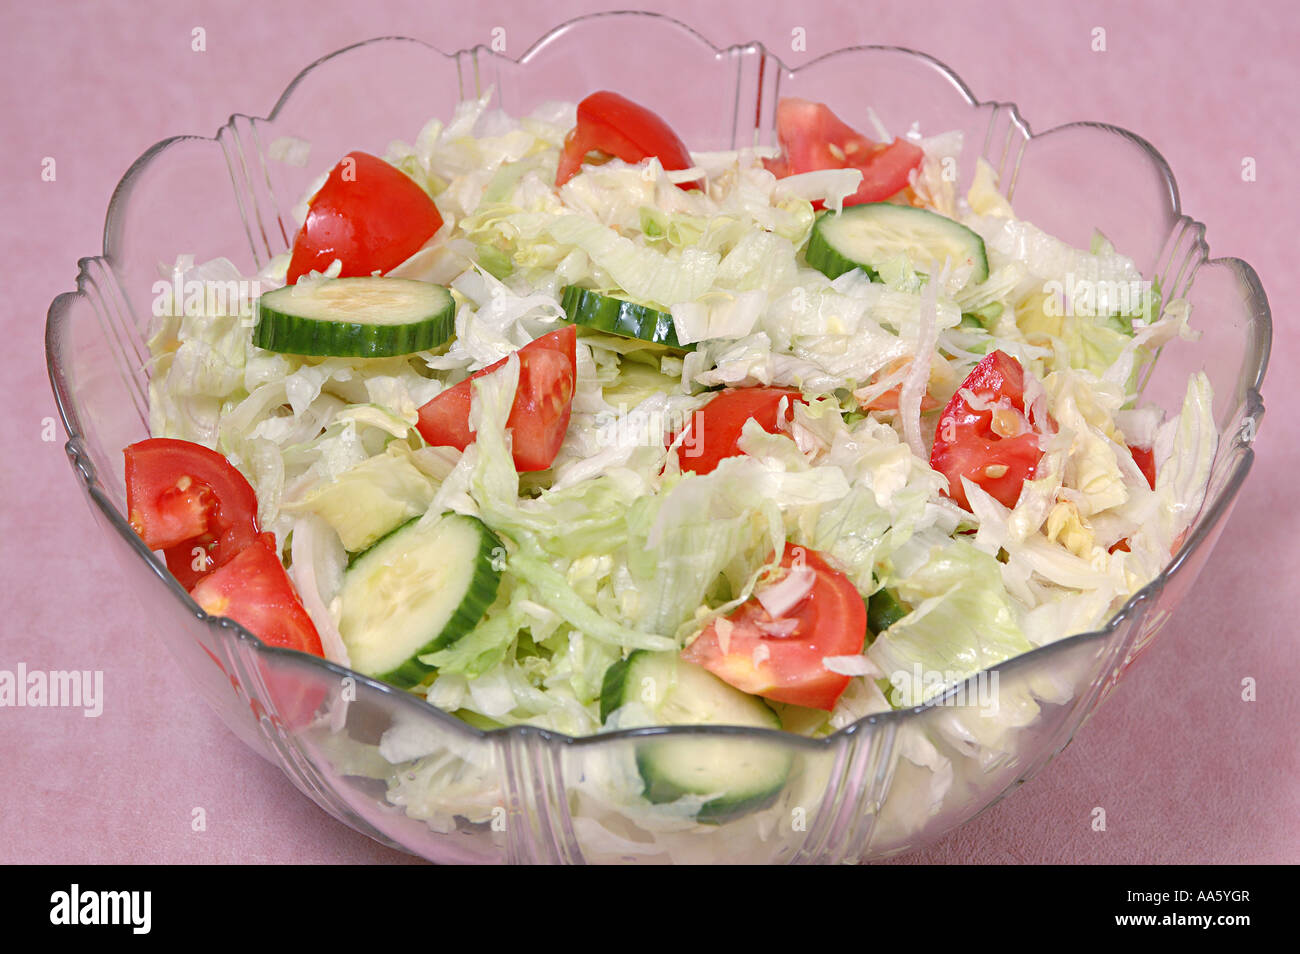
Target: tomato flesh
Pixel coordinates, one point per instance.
(831, 620)
(369, 214)
(254, 590)
(812, 138)
(889, 400)
(1145, 458)
(997, 454)
(714, 431)
(613, 124)
(540, 414)
(190, 502)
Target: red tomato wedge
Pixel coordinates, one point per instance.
(539, 417)
(714, 430)
(889, 400)
(812, 137)
(782, 659)
(1145, 458)
(613, 124)
(182, 497)
(994, 447)
(369, 214)
(254, 590)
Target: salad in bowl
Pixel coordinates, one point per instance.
(554, 422)
(583, 478)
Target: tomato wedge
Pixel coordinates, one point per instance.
(254, 590)
(889, 400)
(1145, 458)
(183, 497)
(613, 124)
(369, 214)
(539, 417)
(782, 659)
(714, 430)
(994, 447)
(812, 137)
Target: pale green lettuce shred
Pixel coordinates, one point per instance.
(962, 619)
(643, 273)
(197, 362)
(1185, 449)
(554, 592)
(486, 646)
(680, 542)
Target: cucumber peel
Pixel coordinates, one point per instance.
(618, 316)
(869, 235)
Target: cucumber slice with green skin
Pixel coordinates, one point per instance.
(883, 611)
(982, 317)
(355, 317)
(617, 316)
(417, 590)
(867, 236)
(743, 774)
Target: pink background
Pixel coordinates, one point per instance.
(1186, 770)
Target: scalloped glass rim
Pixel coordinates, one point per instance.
(1208, 518)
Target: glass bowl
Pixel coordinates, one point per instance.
(412, 777)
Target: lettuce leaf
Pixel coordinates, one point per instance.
(962, 619)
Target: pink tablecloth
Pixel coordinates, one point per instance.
(1186, 770)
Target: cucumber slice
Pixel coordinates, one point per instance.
(618, 316)
(984, 317)
(883, 611)
(355, 317)
(867, 236)
(417, 590)
(743, 774)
